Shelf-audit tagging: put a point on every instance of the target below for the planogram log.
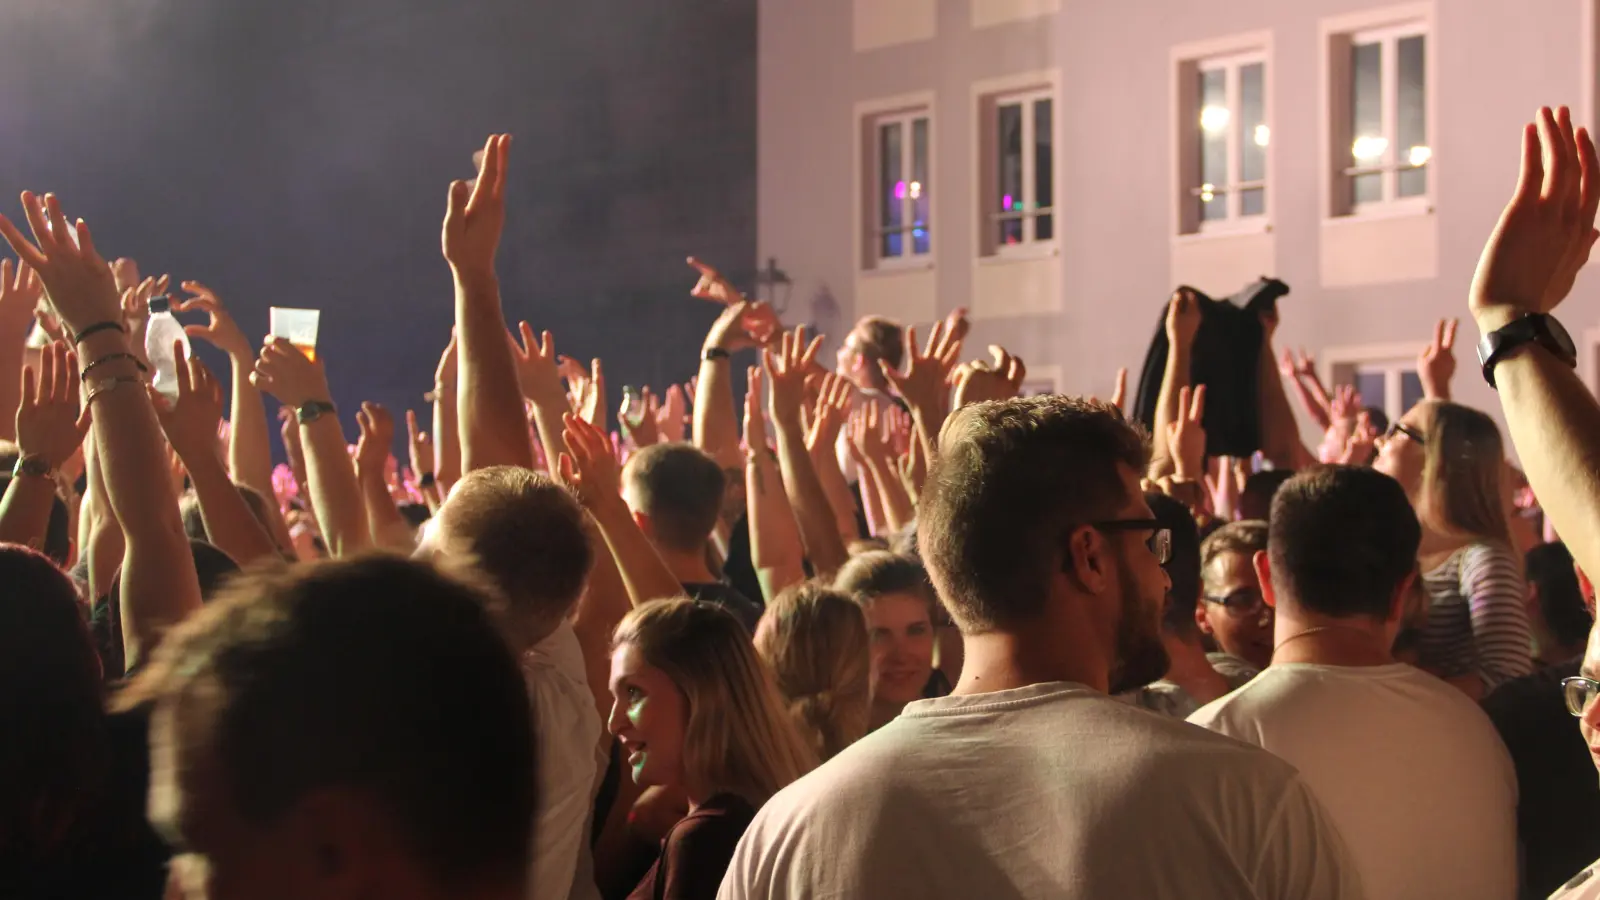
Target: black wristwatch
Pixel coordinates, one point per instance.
(312, 410)
(33, 467)
(715, 353)
(1534, 328)
(427, 480)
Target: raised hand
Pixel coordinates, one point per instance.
(190, 421)
(1547, 229)
(755, 422)
(81, 286)
(743, 324)
(444, 374)
(1436, 365)
(136, 311)
(1359, 446)
(420, 444)
(1302, 366)
(586, 390)
(1183, 318)
(1187, 436)
(286, 373)
(787, 366)
(221, 331)
(867, 439)
(126, 272)
(897, 427)
(925, 385)
(978, 381)
(476, 213)
(20, 292)
(640, 421)
(538, 369)
(712, 286)
(828, 417)
(673, 416)
(589, 465)
(377, 437)
(1346, 405)
(49, 425)
(1224, 484)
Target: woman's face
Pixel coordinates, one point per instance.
(902, 647)
(650, 715)
(1401, 453)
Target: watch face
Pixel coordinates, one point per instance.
(1562, 339)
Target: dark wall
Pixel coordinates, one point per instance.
(297, 153)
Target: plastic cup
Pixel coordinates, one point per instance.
(297, 326)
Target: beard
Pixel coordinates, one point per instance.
(1140, 658)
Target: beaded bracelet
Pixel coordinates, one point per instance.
(106, 387)
(112, 358)
(96, 328)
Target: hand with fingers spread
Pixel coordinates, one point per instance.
(1224, 484)
(421, 446)
(641, 420)
(190, 421)
(589, 467)
(786, 367)
(376, 440)
(1183, 318)
(586, 390)
(742, 325)
(673, 417)
(868, 442)
(49, 426)
(221, 331)
(476, 214)
(285, 373)
(20, 293)
(1187, 436)
(1436, 365)
(828, 417)
(1302, 366)
(538, 366)
(978, 381)
(1359, 446)
(925, 385)
(82, 289)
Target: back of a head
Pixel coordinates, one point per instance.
(680, 488)
(528, 535)
(1255, 501)
(1183, 568)
(1011, 481)
(739, 738)
(1342, 541)
(381, 675)
(881, 339)
(1462, 472)
(815, 640)
(51, 708)
(876, 573)
(1551, 572)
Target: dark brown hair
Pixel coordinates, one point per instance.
(680, 488)
(1012, 479)
(1343, 538)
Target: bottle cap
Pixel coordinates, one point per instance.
(160, 304)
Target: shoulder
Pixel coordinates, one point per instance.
(1489, 553)
(717, 826)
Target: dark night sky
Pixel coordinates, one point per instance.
(297, 153)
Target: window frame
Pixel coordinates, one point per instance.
(907, 120)
(1388, 39)
(1394, 361)
(1231, 65)
(1028, 100)
(1185, 62)
(869, 117)
(988, 96)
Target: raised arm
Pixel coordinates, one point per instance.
(786, 372)
(876, 457)
(1528, 266)
(389, 529)
(925, 384)
(20, 290)
(827, 420)
(190, 423)
(49, 430)
(1301, 372)
(591, 471)
(1280, 434)
(446, 422)
(743, 324)
(493, 431)
(159, 586)
(775, 550)
(299, 383)
(1183, 323)
(419, 443)
(539, 378)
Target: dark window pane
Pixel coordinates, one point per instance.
(920, 197)
(1043, 168)
(1410, 391)
(1369, 146)
(1214, 116)
(1411, 115)
(1371, 385)
(892, 188)
(1009, 159)
(1253, 136)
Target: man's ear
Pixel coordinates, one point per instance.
(1200, 617)
(645, 525)
(1086, 561)
(1263, 566)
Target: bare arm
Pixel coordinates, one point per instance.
(1183, 323)
(822, 439)
(446, 424)
(20, 290)
(493, 432)
(1280, 435)
(540, 381)
(889, 503)
(389, 529)
(49, 431)
(775, 550)
(785, 372)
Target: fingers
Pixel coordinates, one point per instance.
(412, 429)
(1589, 171)
(1119, 395)
(1449, 336)
(810, 353)
(1571, 179)
(29, 397)
(1530, 176)
(185, 382)
(1550, 152)
(1197, 411)
(705, 269)
(20, 245)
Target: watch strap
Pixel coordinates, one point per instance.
(1533, 328)
(312, 410)
(32, 467)
(714, 353)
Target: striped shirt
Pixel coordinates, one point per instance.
(1477, 616)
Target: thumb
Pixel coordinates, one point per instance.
(460, 192)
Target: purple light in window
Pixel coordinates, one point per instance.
(899, 190)
(1005, 202)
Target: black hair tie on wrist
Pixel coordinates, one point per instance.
(96, 328)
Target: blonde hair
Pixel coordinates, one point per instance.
(815, 640)
(1464, 464)
(738, 738)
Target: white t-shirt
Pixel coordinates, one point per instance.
(1052, 790)
(1413, 772)
(1583, 886)
(567, 729)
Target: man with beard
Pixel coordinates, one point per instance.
(1410, 769)
(1029, 781)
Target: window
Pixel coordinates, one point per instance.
(1390, 385)
(1230, 125)
(1386, 118)
(901, 193)
(1022, 173)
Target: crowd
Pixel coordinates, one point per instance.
(900, 632)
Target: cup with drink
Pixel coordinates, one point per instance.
(297, 326)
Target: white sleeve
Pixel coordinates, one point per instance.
(1303, 857)
(739, 881)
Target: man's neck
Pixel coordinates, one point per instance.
(688, 568)
(1191, 670)
(1002, 661)
(1352, 641)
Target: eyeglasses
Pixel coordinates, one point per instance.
(1580, 693)
(1160, 542)
(1399, 428)
(1241, 604)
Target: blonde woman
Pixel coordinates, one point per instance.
(1450, 459)
(696, 710)
(815, 640)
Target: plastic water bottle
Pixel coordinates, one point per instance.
(164, 329)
